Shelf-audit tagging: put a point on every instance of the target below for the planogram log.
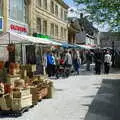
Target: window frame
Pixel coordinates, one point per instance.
(39, 26)
(45, 27)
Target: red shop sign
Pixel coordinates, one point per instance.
(18, 28)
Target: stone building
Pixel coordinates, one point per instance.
(49, 18)
(14, 15)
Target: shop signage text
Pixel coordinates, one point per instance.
(18, 28)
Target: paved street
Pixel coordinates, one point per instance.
(83, 97)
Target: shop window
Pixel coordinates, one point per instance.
(38, 25)
(45, 27)
(17, 10)
(1, 5)
(45, 4)
(56, 10)
(56, 30)
(52, 7)
(52, 29)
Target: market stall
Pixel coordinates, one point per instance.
(19, 87)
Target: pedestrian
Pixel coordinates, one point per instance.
(68, 62)
(107, 62)
(76, 61)
(49, 64)
(98, 60)
(88, 60)
(53, 63)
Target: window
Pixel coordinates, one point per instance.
(61, 13)
(52, 7)
(45, 27)
(61, 32)
(1, 5)
(39, 3)
(65, 33)
(38, 25)
(45, 4)
(56, 10)
(52, 29)
(17, 10)
(65, 15)
(56, 30)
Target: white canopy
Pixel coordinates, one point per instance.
(11, 37)
(85, 46)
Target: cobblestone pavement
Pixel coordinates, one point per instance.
(83, 97)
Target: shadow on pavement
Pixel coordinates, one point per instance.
(106, 104)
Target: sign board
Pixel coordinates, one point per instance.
(41, 36)
(18, 27)
(1, 24)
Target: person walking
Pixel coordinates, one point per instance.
(98, 61)
(88, 60)
(76, 61)
(107, 62)
(68, 62)
(50, 63)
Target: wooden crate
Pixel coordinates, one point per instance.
(20, 103)
(36, 95)
(21, 92)
(13, 78)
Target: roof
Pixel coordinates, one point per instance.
(61, 2)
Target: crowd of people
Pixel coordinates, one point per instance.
(70, 61)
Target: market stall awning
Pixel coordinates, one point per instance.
(85, 46)
(11, 37)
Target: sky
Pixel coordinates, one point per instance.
(73, 6)
(70, 3)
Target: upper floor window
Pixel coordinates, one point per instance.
(52, 7)
(65, 33)
(61, 13)
(45, 4)
(62, 32)
(65, 15)
(38, 3)
(45, 27)
(1, 6)
(52, 29)
(17, 10)
(56, 10)
(38, 25)
(56, 30)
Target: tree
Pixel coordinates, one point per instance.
(103, 11)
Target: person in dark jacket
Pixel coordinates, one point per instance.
(98, 60)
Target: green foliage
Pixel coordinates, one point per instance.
(103, 11)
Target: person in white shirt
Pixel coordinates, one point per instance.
(107, 62)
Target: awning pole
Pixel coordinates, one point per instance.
(21, 54)
(9, 37)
